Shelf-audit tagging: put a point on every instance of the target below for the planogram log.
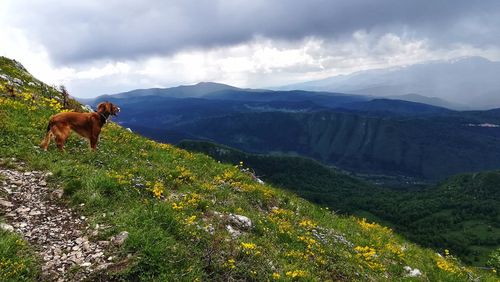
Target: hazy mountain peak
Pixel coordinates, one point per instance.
(212, 84)
(471, 81)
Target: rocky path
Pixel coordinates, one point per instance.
(58, 234)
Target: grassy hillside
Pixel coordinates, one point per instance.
(461, 214)
(177, 207)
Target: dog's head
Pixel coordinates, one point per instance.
(108, 107)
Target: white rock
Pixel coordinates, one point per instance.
(22, 210)
(241, 222)
(6, 203)
(35, 213)
(412, 272)
(6, 227)
(85, 264)
(233, 232)
(17, 81)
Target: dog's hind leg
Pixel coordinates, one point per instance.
(62, 133)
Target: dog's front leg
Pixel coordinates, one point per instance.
(93, 142)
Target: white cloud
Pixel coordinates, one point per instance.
(258, 62)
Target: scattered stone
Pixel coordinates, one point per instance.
(409, 272)
(6, 203)
(120, 238)
(56, 232)
(22, 210)
(103, 243)
(57, 194)
(35, 212)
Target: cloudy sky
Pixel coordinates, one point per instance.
(96, 47)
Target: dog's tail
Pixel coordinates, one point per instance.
(48, 136)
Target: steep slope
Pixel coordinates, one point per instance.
(190, 218)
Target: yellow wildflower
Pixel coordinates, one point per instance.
(296, 273)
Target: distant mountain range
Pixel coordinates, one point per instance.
(470, 82)
(354, 132)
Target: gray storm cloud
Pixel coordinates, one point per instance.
(84, 31)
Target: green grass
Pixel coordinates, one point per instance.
(17, 260)
(166, 197)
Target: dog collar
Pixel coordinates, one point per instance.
(103, 118)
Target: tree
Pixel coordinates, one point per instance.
(65, 95)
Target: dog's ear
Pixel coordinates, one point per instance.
(109, 107)
(101, 107)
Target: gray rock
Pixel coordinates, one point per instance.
(120, 238)
(57, 194)
(240, 221)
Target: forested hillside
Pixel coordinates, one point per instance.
(461, 214)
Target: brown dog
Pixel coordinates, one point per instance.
(87, 125)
